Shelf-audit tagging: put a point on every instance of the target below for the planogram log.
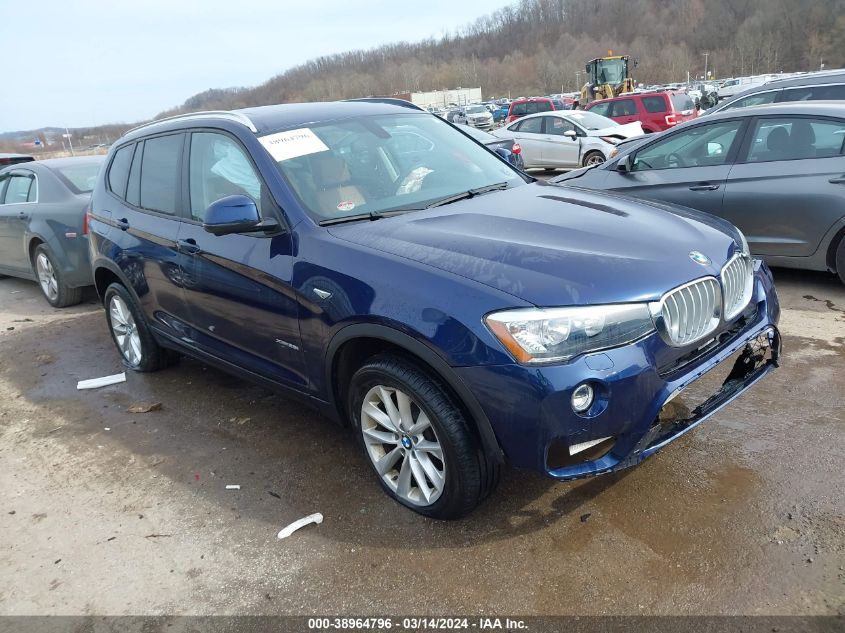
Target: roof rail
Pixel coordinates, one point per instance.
(388, 100)
(236, 117)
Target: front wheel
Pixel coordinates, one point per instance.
(417, 440)
(130, 333)
(593, 158)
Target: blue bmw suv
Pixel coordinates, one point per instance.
(377, 262)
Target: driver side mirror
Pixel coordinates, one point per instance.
(570, 134)
(235, 214)
(624, 164)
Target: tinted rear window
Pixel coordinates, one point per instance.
(119, 170)
(160, 173)
(682, 102)
(657, 103)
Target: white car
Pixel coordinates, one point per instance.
(476, 116)
(567, 138)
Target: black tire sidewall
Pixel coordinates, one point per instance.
(840, 260)
(150, 350)
(590, 154)
(65, 296)
(460, 450)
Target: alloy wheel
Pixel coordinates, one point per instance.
(125, 331)
(403, 446)
(47, 277)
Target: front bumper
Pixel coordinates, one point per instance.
(530, 412)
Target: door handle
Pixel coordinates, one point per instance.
(188, 246)
(704, 187)
(122, 224)
(23, 216)
(837, 181)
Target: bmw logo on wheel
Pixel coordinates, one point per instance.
(699, 258)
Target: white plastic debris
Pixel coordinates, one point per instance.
(293, 527)
(96, 383)
(233, 487)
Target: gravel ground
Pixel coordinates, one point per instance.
(103, 511)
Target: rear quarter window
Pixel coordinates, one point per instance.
(118, 174)
(682, 102)
(654, 104)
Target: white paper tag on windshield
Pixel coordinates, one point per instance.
(293, 143)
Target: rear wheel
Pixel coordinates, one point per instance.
(418, 442)
(593, 158)
(840, 260)
(130, 333)
(57, 293)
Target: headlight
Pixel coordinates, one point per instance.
(610, 139)
(537, 335)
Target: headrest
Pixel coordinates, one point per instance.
(778, 140)
(329, 170)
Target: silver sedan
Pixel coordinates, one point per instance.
(567, 138)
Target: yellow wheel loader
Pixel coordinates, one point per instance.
(606, 77)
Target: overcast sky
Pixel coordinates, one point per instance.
(86, 62)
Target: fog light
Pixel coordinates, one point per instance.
(582, 398)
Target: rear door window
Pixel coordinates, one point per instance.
(794, 138)
(654, 103)
(160, 167)
(531, 126)
(624, 107)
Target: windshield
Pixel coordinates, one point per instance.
(79, 178)
(382, 163)
(611, 71)
(477, 110)
(590, 120)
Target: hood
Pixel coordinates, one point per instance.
(555, 246)
(628, 130)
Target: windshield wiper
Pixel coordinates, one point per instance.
(372, 215)
(464, 195)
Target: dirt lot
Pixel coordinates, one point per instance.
(108, 512)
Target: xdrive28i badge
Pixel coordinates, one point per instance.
(699, 258)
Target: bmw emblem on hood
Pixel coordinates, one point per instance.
(699, 258)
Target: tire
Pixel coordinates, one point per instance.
(592, 158)
(50, 279)
(130, 333)
(840, 260)
(461, 468)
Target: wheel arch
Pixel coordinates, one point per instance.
(106, 273)
(354, 344)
